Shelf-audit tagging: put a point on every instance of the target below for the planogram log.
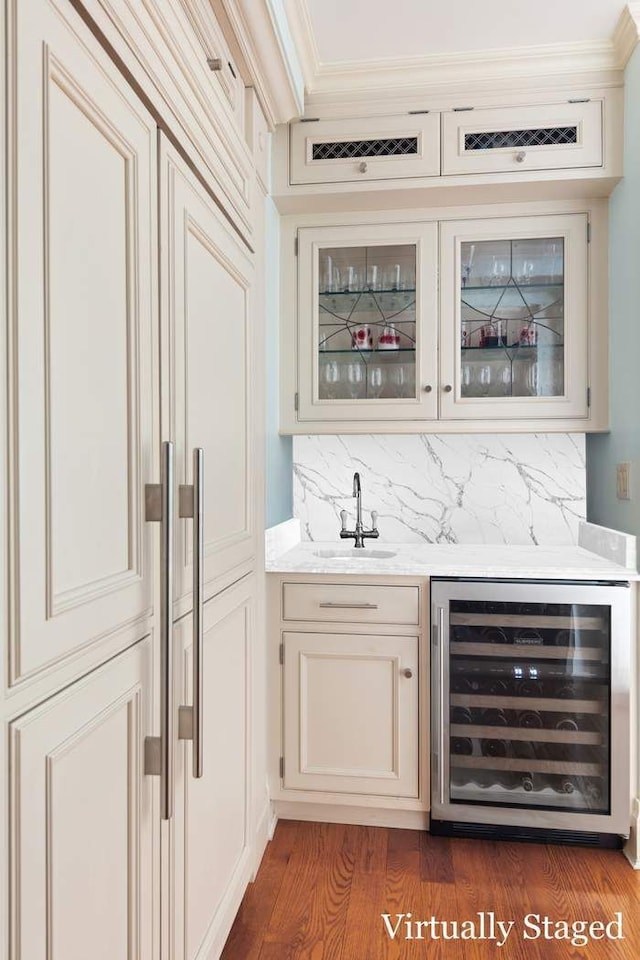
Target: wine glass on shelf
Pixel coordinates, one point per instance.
(375, 381)
(355, 379)
(329, 379)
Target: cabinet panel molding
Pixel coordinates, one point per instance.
(83, 820)
(351, 714)
(82, 178)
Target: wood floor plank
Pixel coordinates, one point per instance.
(322, 889)
(309, 917)
(252, 920)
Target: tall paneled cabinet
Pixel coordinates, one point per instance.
(134, 806)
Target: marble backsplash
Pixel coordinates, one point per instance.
(520, 488)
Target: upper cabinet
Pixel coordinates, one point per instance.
(367, 313)
(451, 149)
(513, 334)
(506, 139)
(467, 324)
(369, 148)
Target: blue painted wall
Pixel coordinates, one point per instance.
(622, 443)
(278, 453)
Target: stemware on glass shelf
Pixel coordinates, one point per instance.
(366, 314)
(512, 318)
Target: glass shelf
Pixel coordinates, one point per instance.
(369, 292)
(378, 354)
(524, 350)
(512, 286)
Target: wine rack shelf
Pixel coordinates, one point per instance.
(542, 621)
(571, 737)
(546, 704)
(526, 650)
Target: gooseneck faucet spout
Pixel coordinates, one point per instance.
(359, 534)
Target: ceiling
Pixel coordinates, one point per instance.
(346, 30)
(410, 49)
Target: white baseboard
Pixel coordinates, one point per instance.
(632, 846)
(264, 833)
(365, 816)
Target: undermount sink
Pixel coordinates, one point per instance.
(355, 554)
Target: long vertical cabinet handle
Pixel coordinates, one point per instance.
(159, 750)
(192, 505)
(443, 697)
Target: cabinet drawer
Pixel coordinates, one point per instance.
(350, 603)
(374, 148)
(515, 139)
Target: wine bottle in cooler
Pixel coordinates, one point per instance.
(524, 751)
(462, 746)
(531, 719)
(494, 748)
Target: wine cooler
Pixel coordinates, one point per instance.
(530, 710)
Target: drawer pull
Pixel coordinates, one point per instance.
(348, 606)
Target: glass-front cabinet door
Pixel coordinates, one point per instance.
(367, 322)
(514, 318)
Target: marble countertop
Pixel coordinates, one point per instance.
(427, 560)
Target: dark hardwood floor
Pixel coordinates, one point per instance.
(322, 889)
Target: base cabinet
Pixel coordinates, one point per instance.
(212, 846)
(83, 823)
(350, 687)
(351, 713)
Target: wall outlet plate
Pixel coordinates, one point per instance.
(623, 481)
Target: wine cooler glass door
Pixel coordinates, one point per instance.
(527, 700)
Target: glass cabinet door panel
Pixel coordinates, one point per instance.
(512, 318)
(366, 346)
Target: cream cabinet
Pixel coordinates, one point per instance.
(84, 819)
(350, 698)
(82, 175)
(211, 830)
(514, 332)
(365, 148)
(132, 330)
(350, 707)
(207, 276)
(367, 323)
(551, 136)
(469, 323)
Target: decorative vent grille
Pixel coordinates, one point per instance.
(537, 137)
(356, 149)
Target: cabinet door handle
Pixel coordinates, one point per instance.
(427, 388)
(158, 758)
(442, 718)
(407, 672)
(348, 606)
(447, 388)
(192, 505)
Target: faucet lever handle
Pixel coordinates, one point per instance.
(343, 518)
(374, 519)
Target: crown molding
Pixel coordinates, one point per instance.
(305, 40)
(258, 33)
(583, 65)
(627, 33)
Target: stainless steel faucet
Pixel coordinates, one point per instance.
(359, 534)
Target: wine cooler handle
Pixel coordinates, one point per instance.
(441, 705)
(158, 751)
(192, 505)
